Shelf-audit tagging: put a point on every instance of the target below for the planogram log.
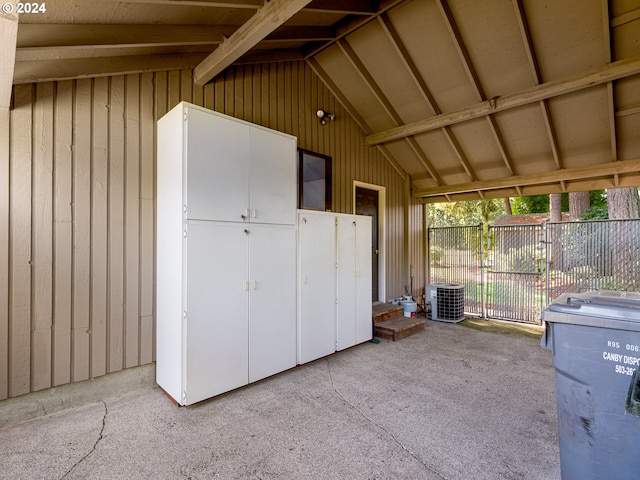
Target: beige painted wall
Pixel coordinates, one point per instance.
(77, 221)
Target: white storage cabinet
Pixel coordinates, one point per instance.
(334, 282)
(353, 314)
(226, 261)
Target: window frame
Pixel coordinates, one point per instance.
(328, 180)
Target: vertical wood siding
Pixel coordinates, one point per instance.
(77, 208)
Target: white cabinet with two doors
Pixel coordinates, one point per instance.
(334, 282)
(226, 263)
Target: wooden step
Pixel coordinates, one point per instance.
(399, 327)
(384, 311)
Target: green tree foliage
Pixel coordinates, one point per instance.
(598, 209)
(533, 204)
(536, 204)
(472, 212)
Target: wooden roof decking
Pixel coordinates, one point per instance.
(472, 99)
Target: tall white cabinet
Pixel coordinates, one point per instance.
(334, 283)
(226, 261)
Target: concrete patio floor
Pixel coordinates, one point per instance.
(447, 403)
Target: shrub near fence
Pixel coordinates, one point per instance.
(519, 269)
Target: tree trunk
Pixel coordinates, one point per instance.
(623, 203)
(578, 204)
(507, 206)
(624, 245)
(555, 216)
(555, 207)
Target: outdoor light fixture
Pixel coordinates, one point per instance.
(322, 115)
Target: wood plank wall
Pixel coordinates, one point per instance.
(78, 213)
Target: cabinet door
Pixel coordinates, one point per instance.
(363, 278)
(272, 177)
(217, 156)
(272, 300)
(216, 327)
(346, 312)
(316, 277)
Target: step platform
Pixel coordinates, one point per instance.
(391, 325)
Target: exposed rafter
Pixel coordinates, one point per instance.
(591, 171)
(350, 7)
(37, 36)
(266, 20)
(333, 88)
(626, 18)
(46, 36)
(50, 70)
(613, 71)
(537, 78)
(465, 58)
(610, 98)
(428, 97)
(385, 103)
(8, 38)
(251, 4)
(350, 25)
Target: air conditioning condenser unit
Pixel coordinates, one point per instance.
(446, 300)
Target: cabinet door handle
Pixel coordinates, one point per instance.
(253, 213)
(253, 285)
(245, 286)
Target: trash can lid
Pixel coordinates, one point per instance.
(604, 305)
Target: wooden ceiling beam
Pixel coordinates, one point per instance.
(613, 71)
(472, 73)
(368, 79)
(525, 33)
(623, 112)
(42, 36)
(8, 39)
(342, 99)
(306, 34)
(249, 4)
(412, 69)
(567, 174)
(405, 56)
(611, 108)
(270, 56)
(46, 36)
(335, 90)
(349, 7)
(265, 21)
(625, 18)
(52, 70)
(351, 24)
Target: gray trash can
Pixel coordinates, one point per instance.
(595, 339)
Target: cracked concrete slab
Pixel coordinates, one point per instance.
(446, 403)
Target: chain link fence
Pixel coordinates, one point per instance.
(455, 256)
(596, 255)
(512, 272)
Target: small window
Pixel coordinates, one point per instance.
(314, 181)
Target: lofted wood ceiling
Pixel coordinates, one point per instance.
(470, 98)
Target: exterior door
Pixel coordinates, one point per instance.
(367, 204)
